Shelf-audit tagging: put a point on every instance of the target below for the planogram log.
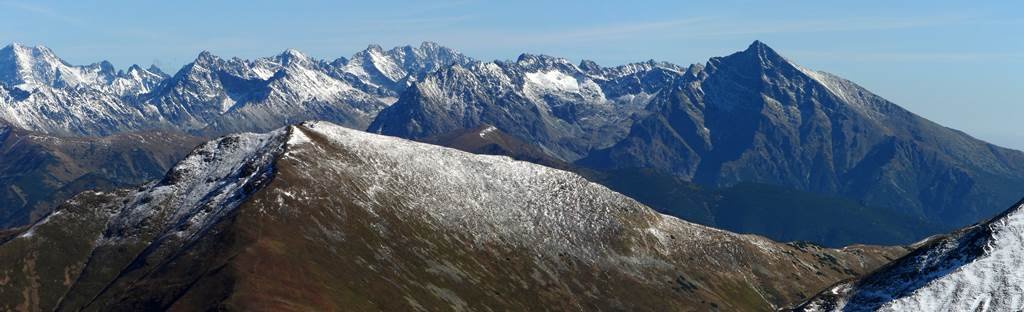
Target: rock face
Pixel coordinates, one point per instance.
(39, 171)
(754, 116)
(974, 269)
(320, 217)
(564, 109)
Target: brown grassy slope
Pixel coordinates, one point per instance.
(320, 237)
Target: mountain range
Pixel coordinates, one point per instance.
(537, 184)
(211, 95)
(750, 118)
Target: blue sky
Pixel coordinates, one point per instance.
(958, 63)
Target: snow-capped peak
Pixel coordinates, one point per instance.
(535, 62)
(36, 66)
(292, 56)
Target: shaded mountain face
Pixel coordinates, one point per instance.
(39, 171)
(754, 116)
(974, 269)
(779, 213)
(320, 217)
(564, 109)
(210, 96)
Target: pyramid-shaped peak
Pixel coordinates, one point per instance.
(761, 49)
(757, 56)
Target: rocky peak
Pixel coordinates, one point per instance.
(156, 70)
(292, 56)
(538, 62)
(589, 66)
(756, 60)
(206, 58)
(374, 48)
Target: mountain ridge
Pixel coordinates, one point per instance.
(330, 217)
(973, 268)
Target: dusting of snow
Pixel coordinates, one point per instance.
(210, 182)
(486, 131)
(494, 198)
(553, 81)
(992, 282)
(946, 274)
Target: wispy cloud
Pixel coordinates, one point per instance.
(697, 27)
(759, 27)
(909, 56)
(41, 10)
(412, 21)
(611, 32)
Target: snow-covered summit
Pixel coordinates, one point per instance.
(30, 67)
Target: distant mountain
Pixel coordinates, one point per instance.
(388, 73)
(320, 217)
(977, 268)
(41, 92)
(209, 96)
(39, 171)
(222, 96)
(564, 109)
(754, 116)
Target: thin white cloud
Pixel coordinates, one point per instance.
(699, 27)
(908, 56)
(760, 27)
(614, 31)
(41, 10)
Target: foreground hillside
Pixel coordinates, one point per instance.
(319, 217)
(977, 268)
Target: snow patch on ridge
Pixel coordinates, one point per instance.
(975, 269)
(493, 198)
(210, 182)
(992, 282)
